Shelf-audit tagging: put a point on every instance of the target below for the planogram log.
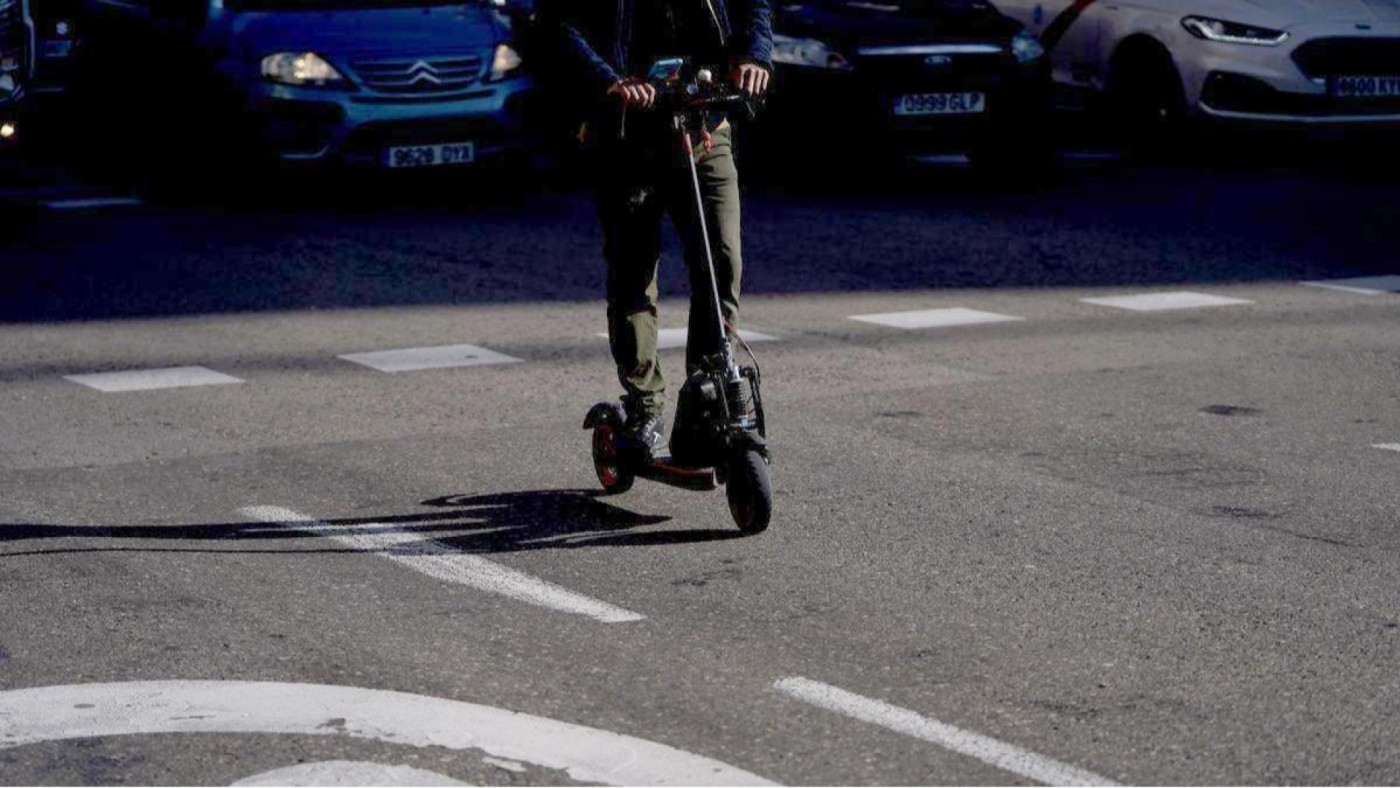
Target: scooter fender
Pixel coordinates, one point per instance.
(609, 413)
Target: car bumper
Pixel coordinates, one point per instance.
(1291, 85)
(855, 106)
(310, 127)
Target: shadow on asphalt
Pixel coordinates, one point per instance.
(478, 524)
(296, 240)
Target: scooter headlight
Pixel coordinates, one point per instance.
(1233, 32)
(807, 52)
(302, 69)
(1027, 48)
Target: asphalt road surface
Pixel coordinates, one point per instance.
(1099, 488)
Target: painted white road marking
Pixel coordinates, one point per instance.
(675, 338)
(150, 379)
(935, 318)
(1365, 285)
(510, 766)
(444, 357)
(1387, 446)
(347, 773)
(1160, 302)
(91, 202)
(441, 562)
(1007, 757)
(31, 716)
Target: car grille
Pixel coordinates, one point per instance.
(419, 75)
(1330, 57)
(943, 64)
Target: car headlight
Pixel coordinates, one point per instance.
(506, 62)
(1233, 32)
(1027, 48)
(807, 52)
(8, 86)
(300, 69)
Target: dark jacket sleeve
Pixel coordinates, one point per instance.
(753, 31)
(564, 31)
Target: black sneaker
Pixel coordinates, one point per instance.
(642, 433)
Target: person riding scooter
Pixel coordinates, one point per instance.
(603, 49)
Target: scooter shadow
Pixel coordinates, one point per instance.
(559, 519)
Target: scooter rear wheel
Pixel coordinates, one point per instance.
(749, 493)
(612, 474)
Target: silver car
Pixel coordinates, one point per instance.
(388, 83)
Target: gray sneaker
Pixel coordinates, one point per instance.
(642, 433)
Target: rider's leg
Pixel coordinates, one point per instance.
(631, 215)
(719, 186)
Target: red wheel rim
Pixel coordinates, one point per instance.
(605, 455)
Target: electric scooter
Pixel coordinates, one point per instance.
(719, 437)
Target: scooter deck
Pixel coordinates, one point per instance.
(662, 469)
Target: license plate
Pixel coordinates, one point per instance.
(940, 104)
(55, 48)
(1366, 87)
(404, 156)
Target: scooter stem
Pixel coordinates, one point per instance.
(726, 352)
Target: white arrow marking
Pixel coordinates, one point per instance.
(346, 773)
(44, 714)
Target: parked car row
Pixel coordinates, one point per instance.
(419, 83)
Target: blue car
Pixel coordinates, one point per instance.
(393, 83)
(16, 65)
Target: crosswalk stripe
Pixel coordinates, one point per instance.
(1161, 302)
(152, 379)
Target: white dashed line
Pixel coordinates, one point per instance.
(675, 338)
(1364, 285)
(1387, 446)
(88, 203)
(935, 318)
(151, 379)
(441, 562)
(1007, 757)
(444, 357)
(1161, 302)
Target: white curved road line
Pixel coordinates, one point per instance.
(439, 561)
(346, 773)
(44, 714)
(1007, 757)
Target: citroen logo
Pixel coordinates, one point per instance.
(423, 71)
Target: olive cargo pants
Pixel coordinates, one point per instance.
(640, 185)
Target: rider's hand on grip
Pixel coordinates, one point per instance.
(634, 92)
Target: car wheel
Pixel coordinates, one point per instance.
(1146, 99)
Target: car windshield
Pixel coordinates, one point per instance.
(332, 5)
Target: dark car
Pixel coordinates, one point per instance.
(908, 75)
(16, 65)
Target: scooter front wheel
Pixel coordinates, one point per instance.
(749, 493)
(615, 477)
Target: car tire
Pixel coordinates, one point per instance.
(1146, 101)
